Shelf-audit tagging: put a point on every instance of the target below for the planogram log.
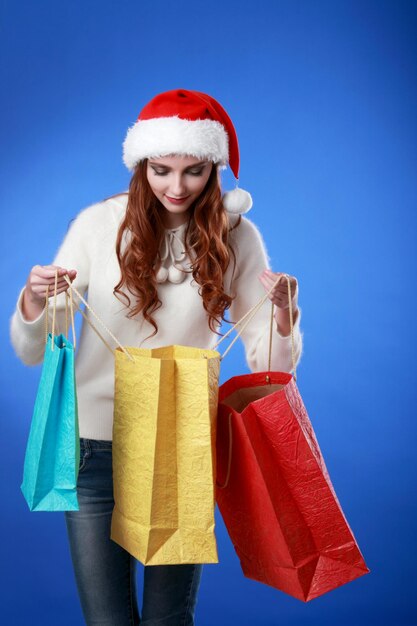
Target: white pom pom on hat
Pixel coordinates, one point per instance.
(190, 123)
(237, 201)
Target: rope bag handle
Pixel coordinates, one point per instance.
(245, 319)
(68, 297)
(291, 316)
(251, 314)
(72, 288)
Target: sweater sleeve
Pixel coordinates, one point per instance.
(28, 337)
(252, 259)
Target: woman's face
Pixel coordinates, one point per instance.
(180, 178)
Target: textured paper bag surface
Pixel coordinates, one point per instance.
(164, 436)
(53, 449)
(279, 505)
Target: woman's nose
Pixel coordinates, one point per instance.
(178, 186)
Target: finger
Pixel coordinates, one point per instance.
(41, 293)
(274, 275)
(40, 280)
(48, 271)
(51, 292)
(271, 282)
(53, 267)
(283, 284)
(279, 294)
(272, 293)
(40, 290)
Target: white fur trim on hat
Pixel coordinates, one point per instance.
(162, 136)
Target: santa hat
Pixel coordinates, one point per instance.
(189, 123)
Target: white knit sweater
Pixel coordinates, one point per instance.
(89, 247)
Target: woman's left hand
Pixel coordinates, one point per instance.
(279, 295)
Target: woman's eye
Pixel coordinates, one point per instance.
(199, 173)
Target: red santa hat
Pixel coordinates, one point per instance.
(190, 123)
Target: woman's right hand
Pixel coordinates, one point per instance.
(40, 277)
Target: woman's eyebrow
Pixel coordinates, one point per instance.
(185, 168)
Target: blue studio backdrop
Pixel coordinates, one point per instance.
(323, 98)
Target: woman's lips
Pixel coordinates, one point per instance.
(177, 200)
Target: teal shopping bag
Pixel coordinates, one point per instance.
(53, 448)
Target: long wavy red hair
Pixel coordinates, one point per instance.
(206, 237)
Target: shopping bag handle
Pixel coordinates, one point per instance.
(251, 314)
(67, 297)
(229, 456)
(245, 319)
(73, 289)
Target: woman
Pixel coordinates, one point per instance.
(161, 263)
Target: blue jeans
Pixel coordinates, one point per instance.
(105, 573)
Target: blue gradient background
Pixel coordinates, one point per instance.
(323, 97)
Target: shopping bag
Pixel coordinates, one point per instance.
(274, 491)
(164, 436)
(53, 450)
(164, 441)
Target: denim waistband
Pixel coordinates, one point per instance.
(96, 444)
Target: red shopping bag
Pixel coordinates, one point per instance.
(274, 491)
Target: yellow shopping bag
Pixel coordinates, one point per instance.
(164, 437)
(164, 449)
